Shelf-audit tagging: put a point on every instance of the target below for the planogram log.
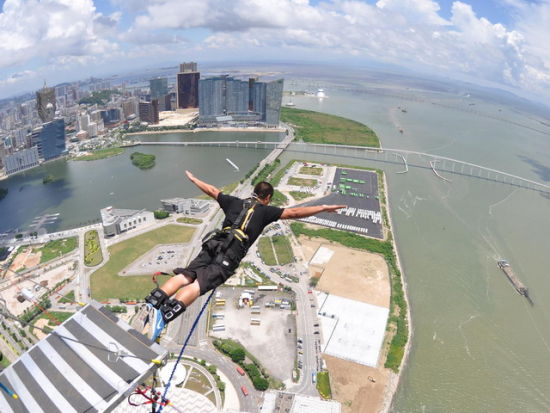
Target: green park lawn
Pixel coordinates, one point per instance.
(282, 249)
(100, 154)
(92, 249)
(302, 182)
(323, 384)
(298, 196)
(310, 170)
(316, 127)
(68, 298)
(187, 220)
(266, 251)
(57, 248)
(106, 283)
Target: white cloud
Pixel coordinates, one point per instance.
(47, 29)
(407, 32)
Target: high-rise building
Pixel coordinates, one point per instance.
(212, 97)
(50, 139)
(45, 103)
(266, 100)
(273, 99)
(158, 88)
(236, 96)
(187, 89)
(21, 160)
(149, 111)
(130, 107)
(188, 67)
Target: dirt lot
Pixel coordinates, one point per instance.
(25, 259)
(361, 276)
(53, 277)
(351, 386)
(350, 273)
(271, 341)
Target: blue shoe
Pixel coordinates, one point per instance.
(156, 323)
(149, 322)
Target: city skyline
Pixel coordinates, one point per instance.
(498, 43)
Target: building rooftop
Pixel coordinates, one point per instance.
(352, 330)
(89, 363)
(110, 214)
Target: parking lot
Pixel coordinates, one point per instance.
(359, 191)
(161, 258)
(273, 341)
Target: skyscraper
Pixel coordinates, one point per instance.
(188, 67)
(212, 97)
(50, 139)
(149, 111)
(159, 88)
(187, 85)
(45, 103)
(266, 100)
(273, 99)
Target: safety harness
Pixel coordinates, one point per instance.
(226, 236)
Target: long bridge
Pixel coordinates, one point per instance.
(440, 165)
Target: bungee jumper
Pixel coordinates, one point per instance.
(221, 253)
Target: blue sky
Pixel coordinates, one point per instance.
(502, 42)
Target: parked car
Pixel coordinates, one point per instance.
(244, 390)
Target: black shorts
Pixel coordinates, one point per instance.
(210, 271)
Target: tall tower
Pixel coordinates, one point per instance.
(187, 87)
(159, 88)
(45, 103)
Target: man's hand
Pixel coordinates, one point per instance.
(189, 175)
(333, 208)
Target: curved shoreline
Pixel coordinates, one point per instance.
(395, 379)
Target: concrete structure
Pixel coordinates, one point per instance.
(284, 402)
(91, 364)
(45, 103)
(117, 221)
(186, 205)
(352, 330)
(21, 160)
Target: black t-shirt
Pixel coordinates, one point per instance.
(263, 215)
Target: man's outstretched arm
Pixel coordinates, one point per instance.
(208, 189)
(307, 211)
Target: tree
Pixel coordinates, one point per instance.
(18, 236)
(260, 383)
(160, 214)
(237, 355)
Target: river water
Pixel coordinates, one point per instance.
(83, 188)
(477, 346)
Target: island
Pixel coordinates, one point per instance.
(143, 160)
(48, 179)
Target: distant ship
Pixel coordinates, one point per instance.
(320, 93)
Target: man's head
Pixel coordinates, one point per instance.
(263, 191)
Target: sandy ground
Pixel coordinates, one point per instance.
(351, 386)
(360, 276)
(40, 324)
(53, 277)
(350, 273)
(25, 259)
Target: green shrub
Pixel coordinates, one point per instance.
(161, 214)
